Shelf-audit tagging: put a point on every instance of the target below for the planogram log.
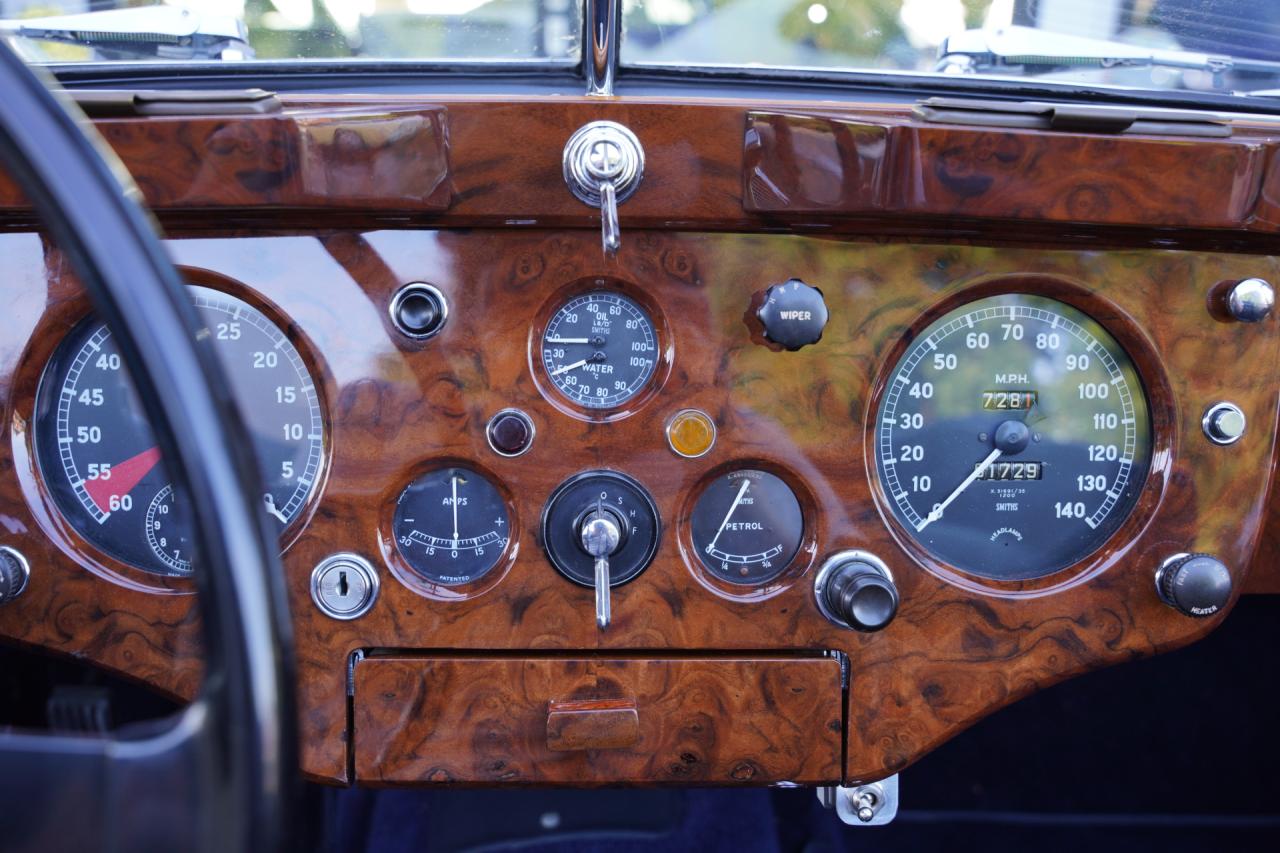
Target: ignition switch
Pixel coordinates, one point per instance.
(600, 529)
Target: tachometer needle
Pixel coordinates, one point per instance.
(968, 481)
(569, 367)
(120, 478)
(742, 492)
(455, 510)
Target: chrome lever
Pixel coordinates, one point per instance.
(600, 537)
(603, 165)
(610, 233)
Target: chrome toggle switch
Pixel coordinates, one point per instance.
(600, 529)
(603, 166)
(600, 538)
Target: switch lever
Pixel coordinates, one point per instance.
(603, 164)
(600, 538)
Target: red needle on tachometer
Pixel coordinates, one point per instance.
(124, 476)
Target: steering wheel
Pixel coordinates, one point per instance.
(221, 774)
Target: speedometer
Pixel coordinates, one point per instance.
(99, 459)
(1013, 437)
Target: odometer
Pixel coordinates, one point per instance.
(98, 456)
(1013, 437)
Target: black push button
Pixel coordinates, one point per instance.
(794, 314)
(419, 310)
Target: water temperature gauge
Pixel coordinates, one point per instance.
(747, 526)
(451, 526)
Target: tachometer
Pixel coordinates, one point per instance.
(1013, 437)
(98, 456)
(600, 349)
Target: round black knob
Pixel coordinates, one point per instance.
(419, 310)
(1194, 584)
(855, 590)
(794, 314)
(14, 573)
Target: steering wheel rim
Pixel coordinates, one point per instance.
(222, 774)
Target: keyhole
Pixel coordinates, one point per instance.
(343, 587)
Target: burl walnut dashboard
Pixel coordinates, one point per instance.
(870, 426)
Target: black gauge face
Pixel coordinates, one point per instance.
(747, 526)
(98, 456)
(451, 526)
(600, 349)
(1013, 437)
(611, 495)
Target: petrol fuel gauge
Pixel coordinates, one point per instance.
(451, 526)
(747, 526)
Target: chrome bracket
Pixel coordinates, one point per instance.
(603, 166)
(873, 804)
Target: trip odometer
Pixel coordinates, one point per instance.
(1013, 437)
(600, 349)
(99, 459)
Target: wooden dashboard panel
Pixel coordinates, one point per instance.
(958, 650)
(714, 164)
(698, 721)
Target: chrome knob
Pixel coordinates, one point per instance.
(600, 536)
(854, 589)
(603, 166)
(15, 572)
(1251, 300)
(1224, 423)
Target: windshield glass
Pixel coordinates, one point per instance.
(1198, 45)
(494, 30)
(906, 35)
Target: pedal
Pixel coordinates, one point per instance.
(79, 710)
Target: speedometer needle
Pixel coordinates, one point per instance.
(568, 340)
(968, 481)
(569, 367)
(742, 492)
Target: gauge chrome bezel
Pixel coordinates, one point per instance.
(1155, 385)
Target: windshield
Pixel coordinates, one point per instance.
(494, 30)
(1208, 45)
(908, 35)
